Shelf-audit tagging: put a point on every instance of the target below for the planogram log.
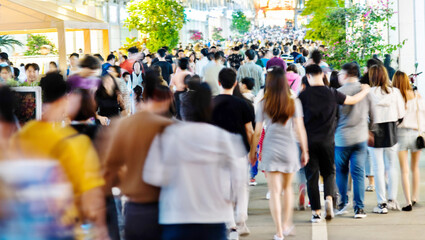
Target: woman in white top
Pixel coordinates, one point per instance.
(390, 108)
(201, 174)
(408, 131)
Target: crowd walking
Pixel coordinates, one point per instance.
(160, 146)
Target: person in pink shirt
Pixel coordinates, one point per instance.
(177, 82)
(294, 80)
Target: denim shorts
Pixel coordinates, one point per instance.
(407, 139)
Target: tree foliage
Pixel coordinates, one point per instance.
(36, 42)
(239, 22)
(161, 20)
(366, 26)
(8, 42)
(328, 23)
(216, 36)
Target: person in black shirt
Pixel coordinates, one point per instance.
(107, 98)
(320, 108)
(166, 67)
(234, 115)
(235, 59)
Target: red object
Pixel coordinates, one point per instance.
(128, 65)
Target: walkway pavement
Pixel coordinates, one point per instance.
(392, 226)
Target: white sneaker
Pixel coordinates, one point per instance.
(233, 235)
(342, 209)
(268, 195)
(315, 218)
(278, 238)
(393, 205)
(243, 230)
(381, 208)
(329, 210)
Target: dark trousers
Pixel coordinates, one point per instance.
(112, 218)
(194, 232)
(141, 221)
(321, 162)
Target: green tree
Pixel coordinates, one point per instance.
(216, 36)
(328, 23)
(160, 20)
(8, 42)
(239, 22)
(35, 42)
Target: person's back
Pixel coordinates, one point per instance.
(252, 70)
(211, 71)
(352, 124)
(125, 151)
(187, 173)
(74, 151)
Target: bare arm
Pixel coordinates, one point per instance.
(351, 100)
(302, 138)
(94, 210)
(255, 141)
(249, 131)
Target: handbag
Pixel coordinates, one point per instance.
(420, 142)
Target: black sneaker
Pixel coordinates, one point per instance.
(407, 208)
(359, 213)
(315, 218)
(342, 208)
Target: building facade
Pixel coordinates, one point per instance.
(204, 15)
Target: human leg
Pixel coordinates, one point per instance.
(357, 169)
(415, 174)
(312, 176)
(141, 221)
(342, 155)
(379, 168)
(288, 199)
(390, 160)
(275, 184)
(404, 168)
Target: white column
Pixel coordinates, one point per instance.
(406, 30)
(420, 39)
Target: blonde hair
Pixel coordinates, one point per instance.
(402, 82)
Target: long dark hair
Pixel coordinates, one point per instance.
(101, 91)
(200, 100)
(378, 77)
(278, 104)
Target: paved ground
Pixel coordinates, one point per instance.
(394, 225)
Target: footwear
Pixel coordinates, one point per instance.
(381, 208)
(342, 209)
(290, 231)
(278, 238)
(315, 218)
(243, 230)
(268, 195)
(407, 208)
(370, 188)
(359, 213)
(233, 235)
(252, 182)
(393, 205)
(329, 210)
(413, 203)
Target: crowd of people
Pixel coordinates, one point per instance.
(165, 146)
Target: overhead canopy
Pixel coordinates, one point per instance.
(35, 16)
(29, 16)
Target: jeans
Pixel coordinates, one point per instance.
(254, 170)
(194, 231)
(369, 162)
(141, 221)
(112, 218)
(321, 162)
(385, 164)
(351, 159)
